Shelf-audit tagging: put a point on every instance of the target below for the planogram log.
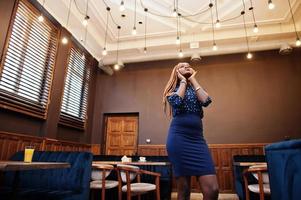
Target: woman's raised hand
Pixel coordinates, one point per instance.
(192, 75)
(180, 76)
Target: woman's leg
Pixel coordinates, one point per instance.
(209, 187)
(183, 187)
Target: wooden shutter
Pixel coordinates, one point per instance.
(75, 97)
(27, 64)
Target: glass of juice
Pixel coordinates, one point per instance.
(28, 153)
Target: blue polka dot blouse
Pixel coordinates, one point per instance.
(188, 104)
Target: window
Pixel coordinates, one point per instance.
(27, 64)
(74, 105)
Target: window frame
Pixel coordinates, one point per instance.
(69, 121)
(23, 106)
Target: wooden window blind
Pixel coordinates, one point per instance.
(27, 63)
(75, 97)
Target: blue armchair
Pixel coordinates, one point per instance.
(284, 167)
(68, 184)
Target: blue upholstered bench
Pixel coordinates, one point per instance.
(284, 166)
(68, 184)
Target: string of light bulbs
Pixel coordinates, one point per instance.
(176, 13)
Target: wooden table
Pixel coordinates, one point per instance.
(248, 164)
(21, 166)
(144, 163)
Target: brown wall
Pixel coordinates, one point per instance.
(253, 101)
(19, 123)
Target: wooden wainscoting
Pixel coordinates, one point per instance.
(222, 155)
(11, 143)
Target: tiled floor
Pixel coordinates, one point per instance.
(198, 196)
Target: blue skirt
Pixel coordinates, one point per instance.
(186, 147)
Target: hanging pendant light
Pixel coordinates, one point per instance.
(134, 31)
(180, 54)
(298, 42)
(117, 66)
(218, 23)
(41, 17)
(145, 29)
(104, 51)
(121, 7)
(85, 21)
(249, 55)
(255, 27)
(271, 5)
(65, 39)
(214, 47)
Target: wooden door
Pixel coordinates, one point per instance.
(121, 134)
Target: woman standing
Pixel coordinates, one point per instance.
(186, 146)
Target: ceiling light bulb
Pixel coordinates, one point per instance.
(180, 54)
(178, 41)
(85, 21)
(249, 55)
(104, 52)
(41, 18)
(217, 24)
(145, 50)
(116, 67)
(64, 40)
(271, 5)
(134, 31)
(298, 42)
(255, 29)
(214, 48)
(122, 8)
(174, 13)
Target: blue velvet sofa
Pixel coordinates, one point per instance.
(284, 166)
(68, 184)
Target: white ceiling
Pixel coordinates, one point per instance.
(275, 27)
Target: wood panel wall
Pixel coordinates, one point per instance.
(222, 155)
(11, 143)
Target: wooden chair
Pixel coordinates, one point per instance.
(127, 173)
(263, 186)
(99, 174)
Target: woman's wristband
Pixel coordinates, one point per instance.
(183, 81)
